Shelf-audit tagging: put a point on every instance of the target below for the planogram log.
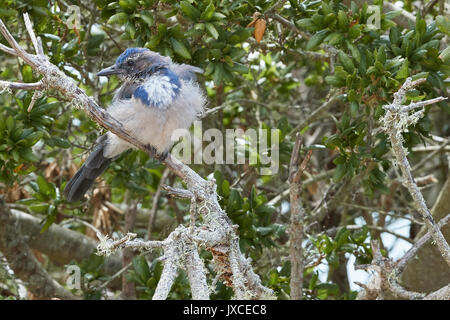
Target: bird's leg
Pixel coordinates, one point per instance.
(163, 155)
(155, 154)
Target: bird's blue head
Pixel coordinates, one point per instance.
(136, 63)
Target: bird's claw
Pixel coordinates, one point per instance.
(155, 154)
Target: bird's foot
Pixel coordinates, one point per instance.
(163, 155)
(155, 154)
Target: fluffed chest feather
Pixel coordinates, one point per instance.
(179, 102)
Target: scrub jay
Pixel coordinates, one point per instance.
(157, 97)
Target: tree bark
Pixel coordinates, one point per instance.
(23, 262)
(61, 245)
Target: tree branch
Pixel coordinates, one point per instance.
(297, 220)
(23, 262)
(395, 121)
(387, 273)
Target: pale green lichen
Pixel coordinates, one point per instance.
(104, 247)
(4, 87)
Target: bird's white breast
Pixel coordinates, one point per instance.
(154, 125)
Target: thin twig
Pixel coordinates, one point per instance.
(297, 220)
(29, 27)
(19, 85)
(156, 197)
(313, 116)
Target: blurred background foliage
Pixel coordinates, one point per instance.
(268, 64)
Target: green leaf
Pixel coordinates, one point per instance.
(62, 143)
(403, 72)
(334, 38)
(240, 35)
(355, 52)
(212, 30)
(189, 10)
(381, 54)
(225, 188)
(360, 235)
(333, 260)
(355, 31)
(420, 75)
(264, 231)
(347, 63)
(28, 155)
(7, 12)
(2, 122)
(180, 49)
(218, 73)
(233, 200)
(209, 12)
(147, 18)
(324, 290)
(27, 73)
(307, 24)
(128, 5)
(10, 124)
(237, 53)
(392, 14)
(394, 35)
(141, 268)
(48, 222)
(339, 172)
(118, 18)
(153, 43)
(326, 8)
(130, 29)
(210, 69)
(342, 20)
(443, 23)
(330, 20)
(45, 187)
(341, 237)
(49, 36)
(240, 68)
(316, 39)
(445, 55)
(218, 16)
(347, 247)
(354, 108)
(313, 281)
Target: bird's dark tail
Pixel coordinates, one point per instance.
(94, 166)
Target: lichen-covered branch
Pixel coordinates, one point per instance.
(395, 121)
(387, 274)
(196, 274)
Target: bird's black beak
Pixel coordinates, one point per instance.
(109, 71)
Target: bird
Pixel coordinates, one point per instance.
(157, 97)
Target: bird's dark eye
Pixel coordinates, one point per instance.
(130, 63)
